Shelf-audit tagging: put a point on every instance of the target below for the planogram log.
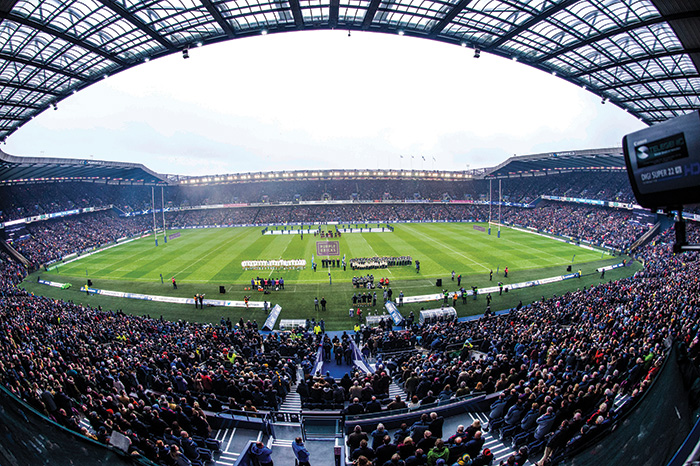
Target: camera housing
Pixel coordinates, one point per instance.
(663, 163)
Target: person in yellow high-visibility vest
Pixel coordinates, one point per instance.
(465, 354)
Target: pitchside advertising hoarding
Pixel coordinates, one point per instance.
(327, 248)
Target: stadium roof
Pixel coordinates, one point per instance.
(560, 162)
(641, 55)
(14, 170)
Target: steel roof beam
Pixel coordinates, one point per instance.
(529, 23)
(121, 11)
(334, 13)
(216, 14)
(452, 14)
(296, 12)
(369, 16)
(7, 5)
(61, 35)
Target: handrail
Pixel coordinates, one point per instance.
(593, 441)
(418, 410)
(394, 353)
(25, 408)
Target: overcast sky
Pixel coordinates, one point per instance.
(321, 99)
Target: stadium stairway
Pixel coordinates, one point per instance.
(395, 389)
(292, 402)
(663, 224)
(233, 441)
(14, 253)
(501, 450)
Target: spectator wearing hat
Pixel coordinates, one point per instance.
(485, 458)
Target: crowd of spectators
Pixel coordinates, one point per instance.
(611, 185)
(53, 239)
(608, 186)
(26, 200)
(422, 443)
(149, 379)
(561, 364)
(561, 358)
(292, 191)
(609, 228)
(212, 217)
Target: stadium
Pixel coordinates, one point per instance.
(529, 312)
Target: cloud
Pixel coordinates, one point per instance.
(321, 99)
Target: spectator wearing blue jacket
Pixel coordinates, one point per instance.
(544, 424)
(263, 454)
(498, 409)
(300, 451)
(378, 436)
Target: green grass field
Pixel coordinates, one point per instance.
(201, 260)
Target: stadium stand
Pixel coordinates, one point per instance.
(562, 366)
(19, 201)
(590, 347)
(54, 239)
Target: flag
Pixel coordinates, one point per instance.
(423, 157)
(400, 156)
(412, 157)
(434, 159)
(312, 258)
